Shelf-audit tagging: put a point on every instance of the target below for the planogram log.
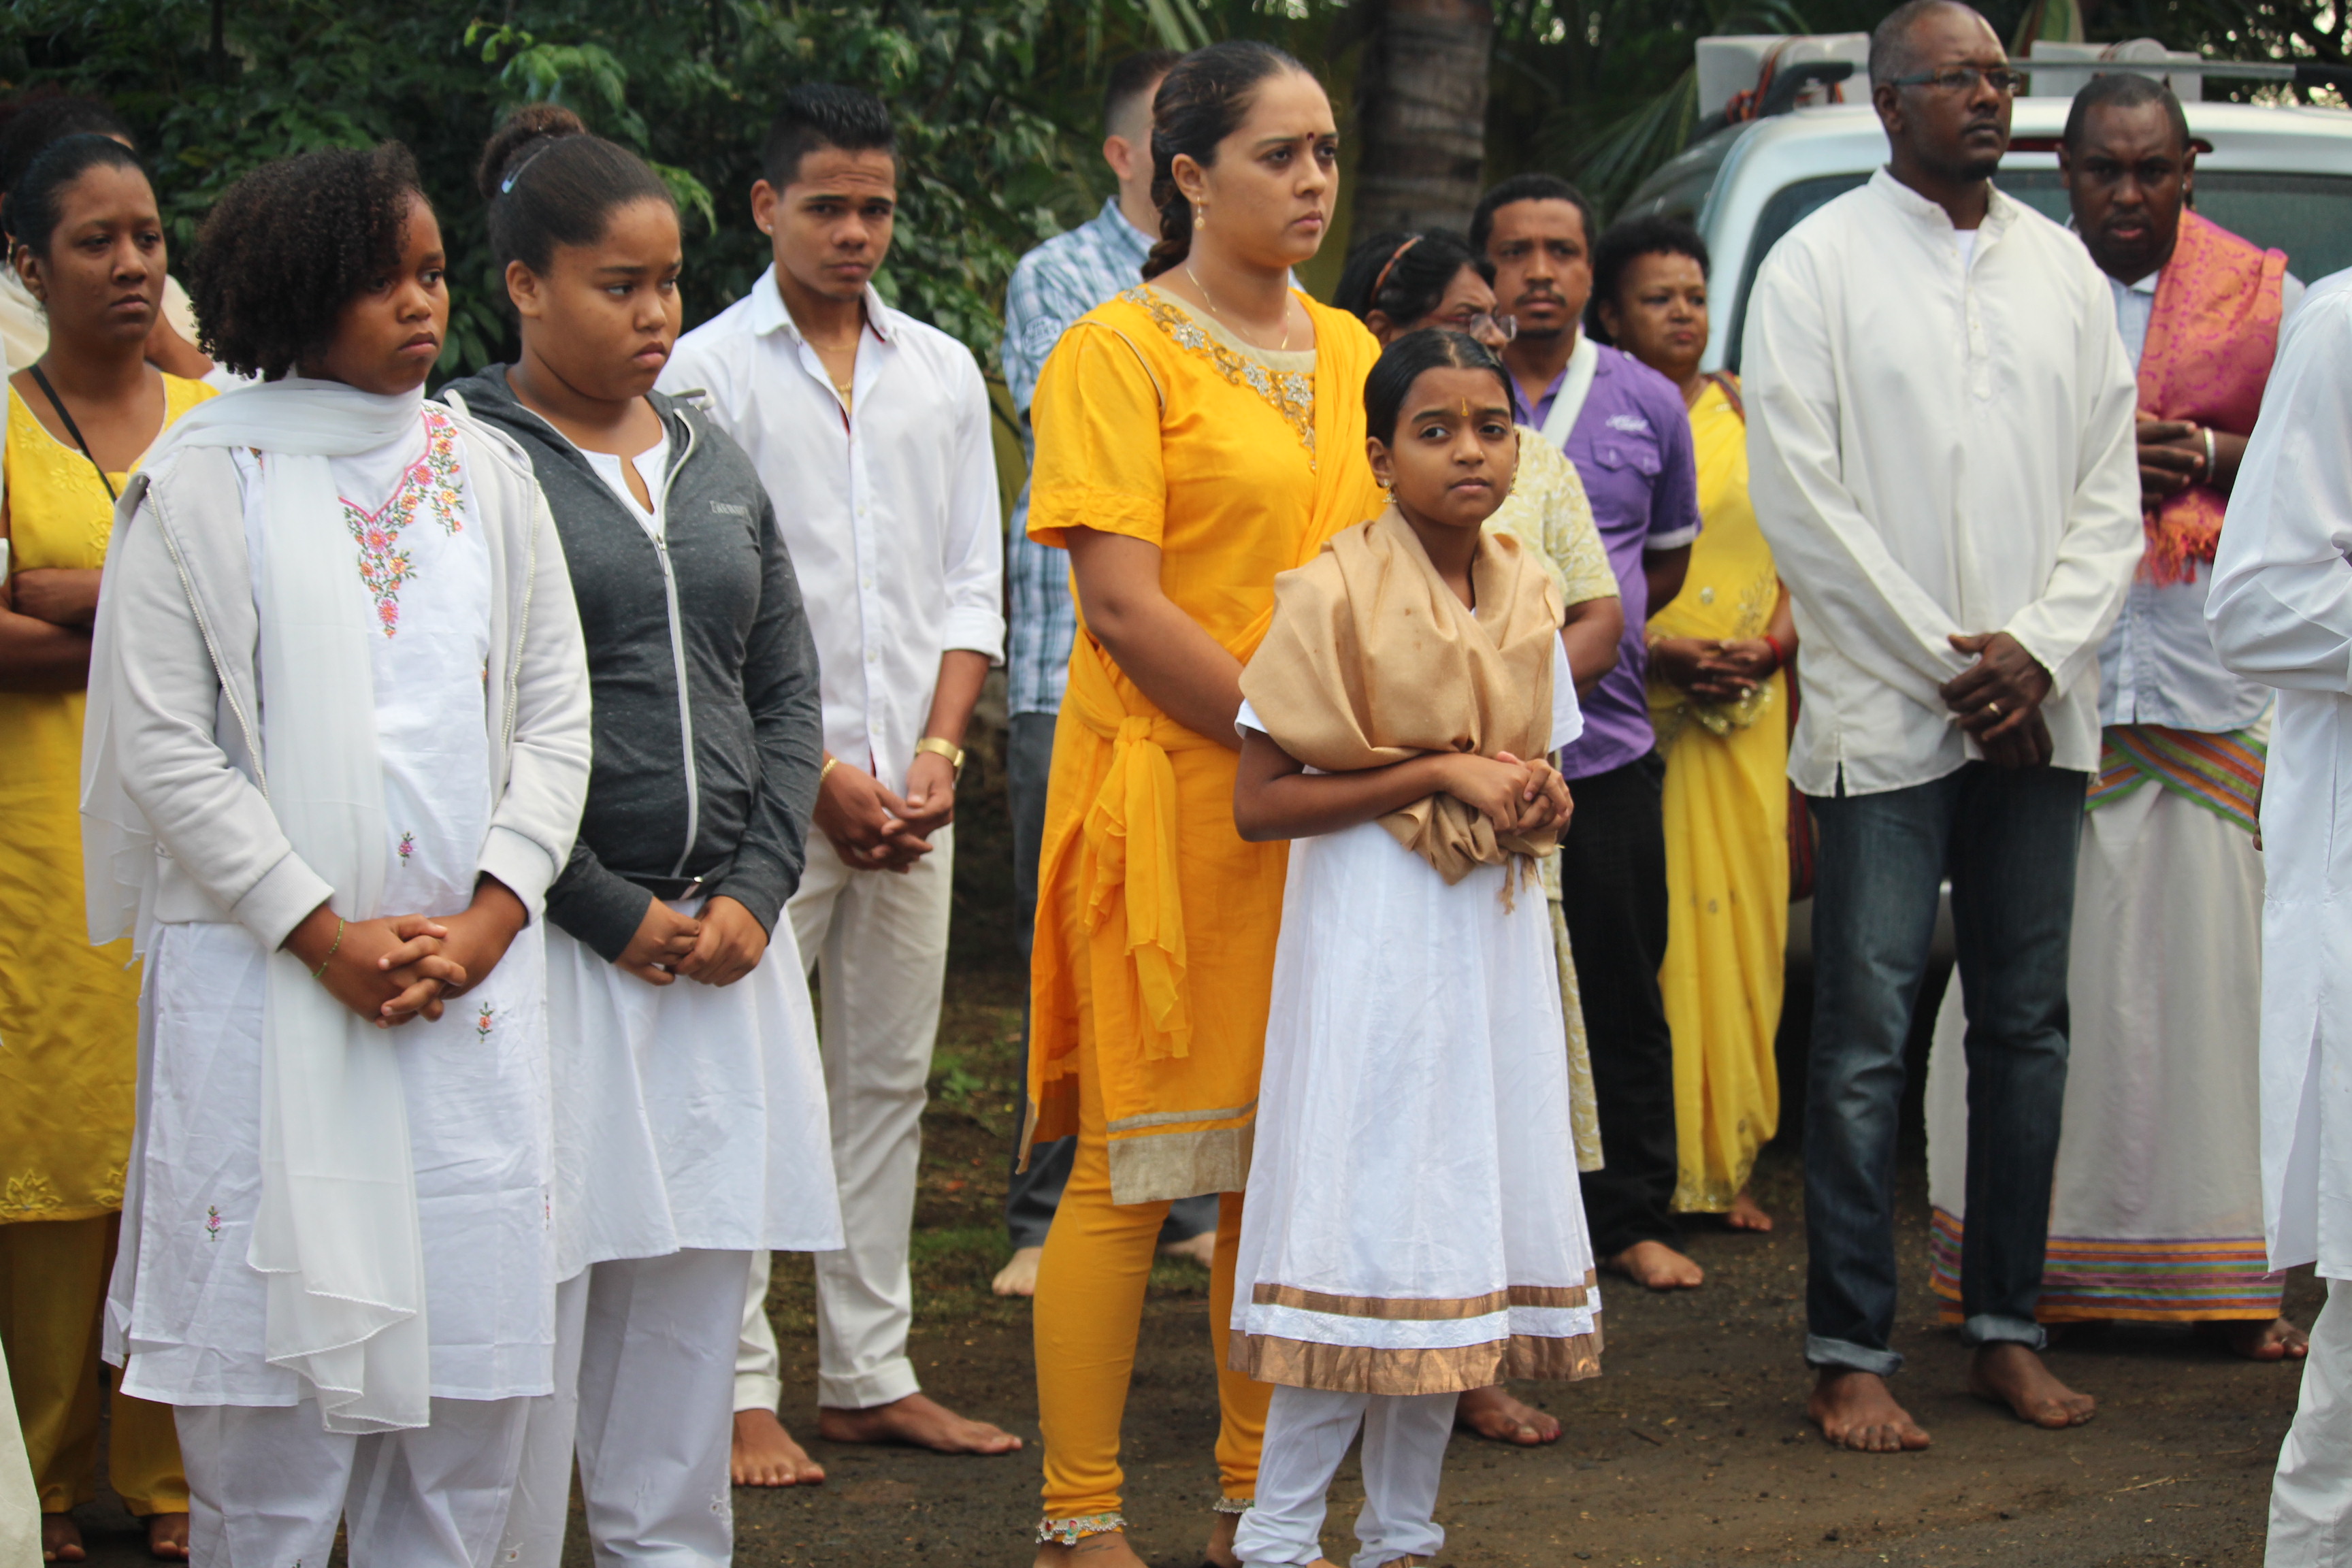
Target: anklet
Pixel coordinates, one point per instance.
(1234, 1504)
(1070, 1532)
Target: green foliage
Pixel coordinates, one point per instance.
(689, 83)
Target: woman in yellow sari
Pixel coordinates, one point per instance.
(87, 242)
(1195, 436)
(1718, 697)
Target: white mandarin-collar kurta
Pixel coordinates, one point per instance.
(2280, 611)
(1938, 443)
(890, 507)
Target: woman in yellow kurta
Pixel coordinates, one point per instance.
(1718, 697)
(1195, 436)
(87, 242)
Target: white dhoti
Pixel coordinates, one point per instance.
(879, 941)
(267, 1484)
(2311, 1500)
(2157, 1207)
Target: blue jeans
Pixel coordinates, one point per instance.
(2006, 838)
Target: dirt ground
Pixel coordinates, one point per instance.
(1690, 1449)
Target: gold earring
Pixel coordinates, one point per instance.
(1201, 216)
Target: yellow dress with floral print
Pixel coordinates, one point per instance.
(1727, 818)
(68, 1012)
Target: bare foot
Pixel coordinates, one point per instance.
(167, 1537)
(61, 1538)
(1201, 1250)
(1019, 1275)
(764, 1454)
(1492, 1413)
(2276, 1339)
(1747, 1214)
(917, 1420)
(1855, 1410)
(1656, 1266)
(2011, 1374)
(1108, 1550)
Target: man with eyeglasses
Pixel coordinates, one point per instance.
(1624, 427)
(1941, 454)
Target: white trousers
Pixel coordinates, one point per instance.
(267, 1484)
(20, 1501)
(1307, 1431)
(880, 945)
(645, 1377)
(2311, 1500)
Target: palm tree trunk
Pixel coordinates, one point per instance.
(1422, 114)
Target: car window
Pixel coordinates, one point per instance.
(2309, 217)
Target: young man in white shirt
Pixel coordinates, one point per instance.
(871, 432)
(1941, 455)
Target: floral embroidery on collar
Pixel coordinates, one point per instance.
(427, 487)
(1290, 393)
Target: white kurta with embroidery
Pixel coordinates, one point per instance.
(475, 1081)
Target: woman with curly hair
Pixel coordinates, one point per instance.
(337, 748)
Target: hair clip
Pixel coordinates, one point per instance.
(1382, 281)
(507, 185)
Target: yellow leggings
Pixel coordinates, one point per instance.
(53, 1275)
(1089, 1311)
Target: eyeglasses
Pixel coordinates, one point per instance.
(1495, 321)
(1963, 78)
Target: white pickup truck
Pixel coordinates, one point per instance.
(2280, 175)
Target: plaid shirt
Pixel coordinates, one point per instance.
(1056, 284)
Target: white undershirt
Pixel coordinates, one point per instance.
(1965, 239)
(651, 464)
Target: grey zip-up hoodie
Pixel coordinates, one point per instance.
(709, 733)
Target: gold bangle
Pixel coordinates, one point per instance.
(947, 749)
(333, 948)
(825, 771)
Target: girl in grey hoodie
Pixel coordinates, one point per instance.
(690, 1122)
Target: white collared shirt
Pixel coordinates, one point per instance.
(2159, 665)
(889, 508)
(1937, 447)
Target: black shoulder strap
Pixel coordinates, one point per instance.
(72, 429)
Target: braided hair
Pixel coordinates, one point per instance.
(1204, 100)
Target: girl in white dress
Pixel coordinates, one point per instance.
(1412, 1228)
(336, 745)
(690, 1121)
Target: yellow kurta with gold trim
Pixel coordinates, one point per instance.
(1726, 807)
(1155, 924)
(68, 1012)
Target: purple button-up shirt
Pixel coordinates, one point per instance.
(1632, 445)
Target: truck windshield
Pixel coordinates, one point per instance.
(2309, 217)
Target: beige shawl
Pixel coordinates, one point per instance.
(1373, 659)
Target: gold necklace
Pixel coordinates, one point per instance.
(1210, 301)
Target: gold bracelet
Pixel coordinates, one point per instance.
(825, 771)
(333, 948)
(947, 749)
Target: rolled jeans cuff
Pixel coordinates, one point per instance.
(1989, 1328)
(1823, 1352)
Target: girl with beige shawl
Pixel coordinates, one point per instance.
(1412, 1228)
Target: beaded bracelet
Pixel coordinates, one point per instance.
(320, 973)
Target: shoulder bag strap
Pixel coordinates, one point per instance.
(72, 429)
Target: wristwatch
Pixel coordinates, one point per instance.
(947, 749)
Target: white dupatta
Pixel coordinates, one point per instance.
(336, 1232)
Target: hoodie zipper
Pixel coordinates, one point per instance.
(678, 657)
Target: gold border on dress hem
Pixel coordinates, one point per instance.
(1423, 1309)
(1451, 1369)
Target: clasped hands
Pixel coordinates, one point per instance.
(875, 829)
(1999, 698)
(1516, 796)
(1714, 670)
(399, 967)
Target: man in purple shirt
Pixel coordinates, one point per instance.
(1625, 427)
